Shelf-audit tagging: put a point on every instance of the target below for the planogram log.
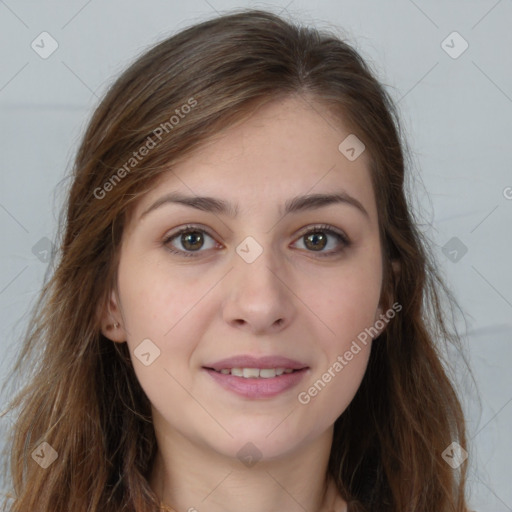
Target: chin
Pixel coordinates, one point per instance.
(270, 439)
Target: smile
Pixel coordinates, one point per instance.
(255, 373)
(256, 383)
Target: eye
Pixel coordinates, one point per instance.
(189, 240)
(318, 238)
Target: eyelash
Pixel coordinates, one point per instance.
(325, 228)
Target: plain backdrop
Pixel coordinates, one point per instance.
(446, 64)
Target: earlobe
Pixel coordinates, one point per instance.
(379, 323)
(387, 299)
(395, 264)
(112, 326)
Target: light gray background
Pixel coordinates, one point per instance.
(456, 111)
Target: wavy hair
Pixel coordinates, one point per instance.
(82, 396)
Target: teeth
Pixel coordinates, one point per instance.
(251, 373)
(254, 373)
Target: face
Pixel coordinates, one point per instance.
(255, 276)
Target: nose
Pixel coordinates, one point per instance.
(257, 299)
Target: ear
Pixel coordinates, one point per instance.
(111, 320)
(387, 300)
(388, 295)
(395, 277)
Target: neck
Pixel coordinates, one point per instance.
(186, 477)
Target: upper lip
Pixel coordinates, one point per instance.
(246, 361)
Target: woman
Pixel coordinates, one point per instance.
(243, 315)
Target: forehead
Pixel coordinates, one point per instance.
(286, 148)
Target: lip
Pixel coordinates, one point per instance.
(247, 361)
(257, 388)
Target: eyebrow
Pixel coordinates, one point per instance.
(293, 205)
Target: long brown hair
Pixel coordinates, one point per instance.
(83, 397)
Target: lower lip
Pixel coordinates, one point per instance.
(258, 388)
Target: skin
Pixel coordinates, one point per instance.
(290, 301)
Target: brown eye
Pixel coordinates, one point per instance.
(315, 241)
(324, 240)
(192, 240)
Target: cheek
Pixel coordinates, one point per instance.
(333, 389)
(158, 300)
(164, 306)
(344, 354)
(346, 301)
(345, 298)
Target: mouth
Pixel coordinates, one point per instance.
(257, 378)
(255, 373)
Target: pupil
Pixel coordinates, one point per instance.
(316, 241)
(192, 240)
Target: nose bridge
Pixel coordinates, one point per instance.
(256, 296)
(259, 263)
